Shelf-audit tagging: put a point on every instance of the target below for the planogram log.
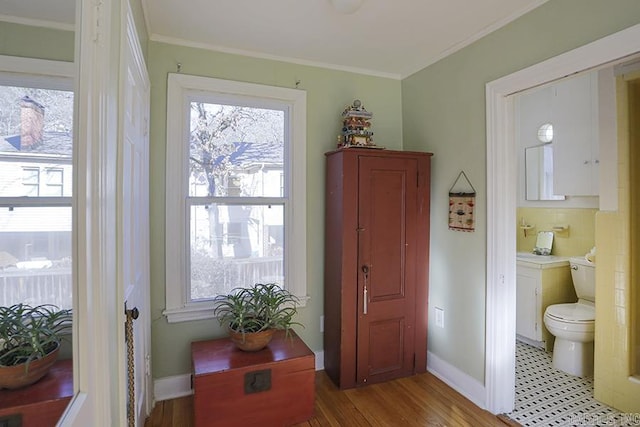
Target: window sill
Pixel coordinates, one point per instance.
(203, 311)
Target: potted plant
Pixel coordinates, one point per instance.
(30, 339)
(253, 314)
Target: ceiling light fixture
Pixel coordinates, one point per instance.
(346, 7)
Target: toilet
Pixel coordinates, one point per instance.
(573, 324)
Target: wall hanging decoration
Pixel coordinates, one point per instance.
(461, 204)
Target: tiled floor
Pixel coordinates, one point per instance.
(547, 397)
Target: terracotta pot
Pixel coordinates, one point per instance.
(253, 341)
(22, 375)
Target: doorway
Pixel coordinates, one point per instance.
(501, 200)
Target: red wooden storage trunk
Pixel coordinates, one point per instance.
(40, 404)
(271, 387)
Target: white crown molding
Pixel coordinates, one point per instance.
(477, 36)
(207, 46)
(38, 23)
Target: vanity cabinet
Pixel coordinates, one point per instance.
(538, 285)
(376, 268)
(575, 136)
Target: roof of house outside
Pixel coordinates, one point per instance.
(57, 143)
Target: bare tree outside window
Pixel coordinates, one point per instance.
(36, 152)
(236, 158)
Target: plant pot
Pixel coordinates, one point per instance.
(24, 374)
(251, 341)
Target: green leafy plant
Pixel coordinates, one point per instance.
(28, 333)
(258, 308)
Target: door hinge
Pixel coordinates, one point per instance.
(536, 327)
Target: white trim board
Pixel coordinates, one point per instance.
(461, 382)
(501, 201)
(175, 386)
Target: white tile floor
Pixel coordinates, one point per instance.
(548, 397)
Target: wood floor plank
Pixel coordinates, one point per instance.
(419, 400)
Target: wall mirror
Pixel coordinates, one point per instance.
(539, 173)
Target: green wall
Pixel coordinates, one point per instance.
(36, 42)
(443, 111)
(328, 92)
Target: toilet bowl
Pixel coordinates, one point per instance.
(573, 324)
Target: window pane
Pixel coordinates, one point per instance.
(235, 151)
(35, 136)
(35, 256)
(234, 246)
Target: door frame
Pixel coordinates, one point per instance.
(501, 201)
(97, 394)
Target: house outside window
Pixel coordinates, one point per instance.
(36, 153)
(235, 177)
(31, 181)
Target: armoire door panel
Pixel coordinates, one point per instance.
(386, 215)
(386, 346)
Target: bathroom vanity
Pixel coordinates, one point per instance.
(541, 280)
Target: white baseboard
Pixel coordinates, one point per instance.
(319, 360)
(461, 382)
(171, 387)
(180, 385)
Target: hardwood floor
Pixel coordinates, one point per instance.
(420, 400)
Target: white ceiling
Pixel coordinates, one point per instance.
(384, 37)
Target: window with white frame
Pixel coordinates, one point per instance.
(235, 191)
(36, 153)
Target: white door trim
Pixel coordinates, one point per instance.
(501, 201)
(95, 304)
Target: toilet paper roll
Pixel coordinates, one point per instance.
(590, 258)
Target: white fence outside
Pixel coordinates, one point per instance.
(37, 286)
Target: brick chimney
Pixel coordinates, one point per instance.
(31, 123)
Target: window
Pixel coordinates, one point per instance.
(235, 191)
(31, 181)
(36, 152)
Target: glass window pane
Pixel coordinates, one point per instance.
(35, 256)
(235, 151)
(234, 246)
(35, 136)
(54, 182)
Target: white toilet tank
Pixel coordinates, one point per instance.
(583, 274)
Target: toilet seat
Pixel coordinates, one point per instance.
(572, 313)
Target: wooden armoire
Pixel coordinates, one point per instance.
(376, 265)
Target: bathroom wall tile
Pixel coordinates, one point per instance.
(620, 280)
(579, 239)
(620, 297)
(621, 317)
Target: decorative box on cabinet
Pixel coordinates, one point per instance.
(539, 285)
(376, 265)
(271, 387)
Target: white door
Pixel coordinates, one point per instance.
(133, 221)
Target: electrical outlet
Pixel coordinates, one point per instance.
(439, 317)
(322, 323)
